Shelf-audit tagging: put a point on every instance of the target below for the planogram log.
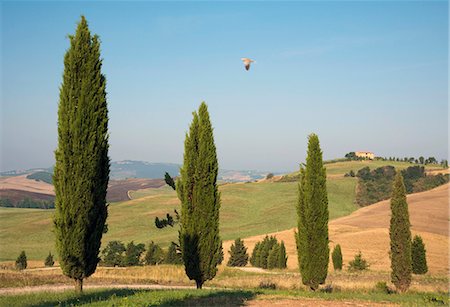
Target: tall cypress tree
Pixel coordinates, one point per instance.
(81, 172)
(400, 235)
(312, 209)
(200, 201)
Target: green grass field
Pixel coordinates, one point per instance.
(247, 209)
(212, 297)
(343, 167)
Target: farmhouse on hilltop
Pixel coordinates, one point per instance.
(365, 154)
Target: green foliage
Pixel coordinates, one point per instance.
(113, 254)
(200, 201)
(336, 256)
(49, 262)
(154, 255)
(400, 237)
(382, 287)
(169, 181)
(358, 263)
(255, 258)
(6, 202)
(21, 261)
(269, 254)
(418, 256)
(376, 185)
(81, 171)
(42, 176)
(173, 255)
(269, 176)
(238, 254)
(282, 257)
(312, 212)
(133, 254)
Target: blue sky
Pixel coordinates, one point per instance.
(362, 75)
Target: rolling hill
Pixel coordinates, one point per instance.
(247, 209)
(367, 230)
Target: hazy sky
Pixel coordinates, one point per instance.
(362, 75)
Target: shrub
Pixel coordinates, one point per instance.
(173, 255)
(133, 254)
(21, 262)
(267, 284)
(418, 255)
(113, 254)
(337, 258)
(269, 250)
(269, 176)
(272, 258)
(49, 260)
(154, 255)
(382, 287)
(238, 254)
(358, 263)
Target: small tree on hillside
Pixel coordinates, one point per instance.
(282, 257)
(400, 235)
(133, 254)
(113, 254)
(254, 259)
(337, 258)
(238, 254)
(418, 252)
(49, 262)
(358, 263)
(21, 261)
(154, 255)
(173, 255)
(272, 258)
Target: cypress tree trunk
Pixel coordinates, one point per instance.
(200, 201)
(312, 210)
(82, 165)
(78, 285)
(400, 235)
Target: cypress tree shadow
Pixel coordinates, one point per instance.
(220, 298)
(87, 298)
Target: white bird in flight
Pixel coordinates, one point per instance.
(247, 62)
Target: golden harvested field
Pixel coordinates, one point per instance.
(367, 230)
(29, 185)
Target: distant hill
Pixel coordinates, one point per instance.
(140, 169)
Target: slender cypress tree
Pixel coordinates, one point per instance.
(200, 201)
(418, 252)
(400, 235)
(282, 258)
(81, 172)
(312, 209)
(336, 256)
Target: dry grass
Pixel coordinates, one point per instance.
(29, 185)
(226, 278)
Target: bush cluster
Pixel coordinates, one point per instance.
(269, 254)
(376, 185)
(358, 263)
(117, 254)
(238, 254)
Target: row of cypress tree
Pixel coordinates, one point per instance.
(269, 254)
